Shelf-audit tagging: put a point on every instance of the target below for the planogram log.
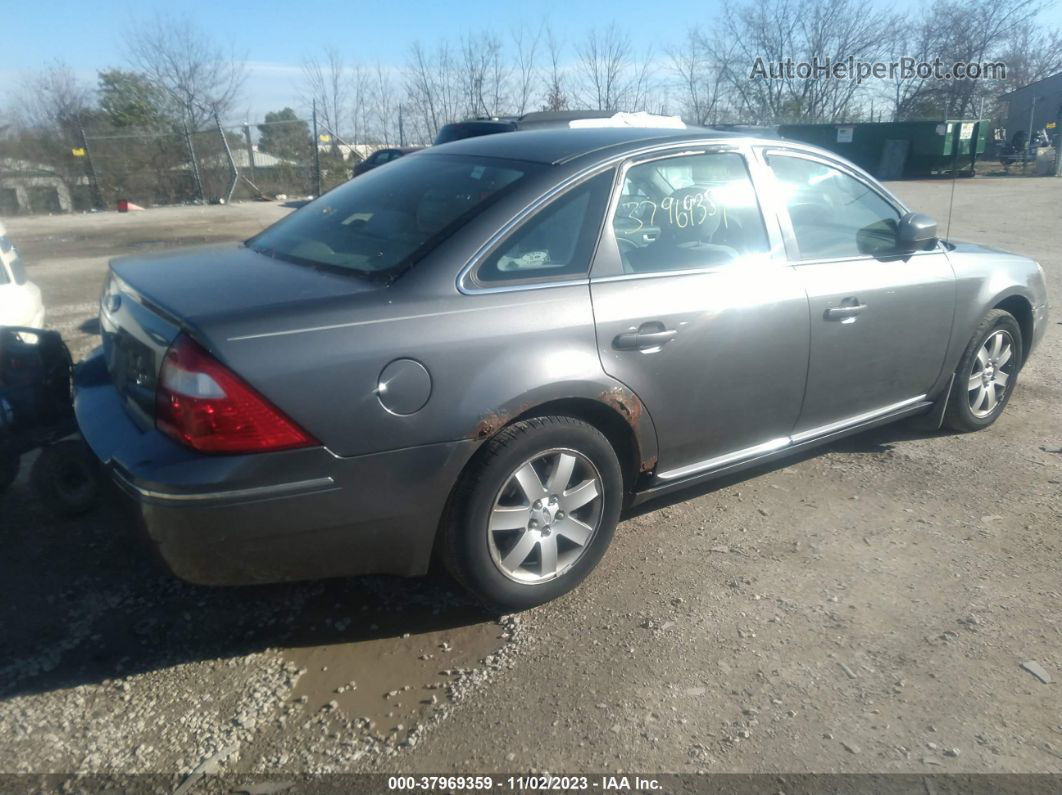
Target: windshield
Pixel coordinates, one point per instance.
(381, 222)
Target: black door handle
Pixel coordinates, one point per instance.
(648, 335)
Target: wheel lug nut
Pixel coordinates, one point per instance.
(560, 514)
(532, 524)
(537, 505)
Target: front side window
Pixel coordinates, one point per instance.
(384, 221)
(688, 212)
(557, 243)
(834, 215)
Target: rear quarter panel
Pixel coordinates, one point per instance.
(491, 357)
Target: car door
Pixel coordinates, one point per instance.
(698, 312)
(880, 323)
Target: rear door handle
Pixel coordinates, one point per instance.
(844, 312)
(648, 335)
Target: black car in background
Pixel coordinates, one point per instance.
(381, 156)
(470, 128)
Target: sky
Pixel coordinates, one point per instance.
(275, 36)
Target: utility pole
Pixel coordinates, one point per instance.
(1028, 138)
(191, 159)
(316, 150)
(401, 126)
(94, 184)
(250, 150)
(228, 154)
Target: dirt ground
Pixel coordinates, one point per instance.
(866, 607)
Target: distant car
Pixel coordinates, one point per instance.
(484, 352)
(20, 299)
(542, 120)
(382, 156)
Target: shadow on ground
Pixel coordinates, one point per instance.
(84, 600)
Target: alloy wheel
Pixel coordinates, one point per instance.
(991, 372)
(545, 516)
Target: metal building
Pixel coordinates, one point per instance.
(1036, 107)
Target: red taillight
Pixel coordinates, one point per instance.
(203, 404)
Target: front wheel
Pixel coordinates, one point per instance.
(987, 373)
(534, 513)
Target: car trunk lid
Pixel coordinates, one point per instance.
(208, 292)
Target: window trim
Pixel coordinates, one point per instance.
(466, 278)
(792, 246)
(775, 255)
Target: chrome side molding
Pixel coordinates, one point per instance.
(780, 443)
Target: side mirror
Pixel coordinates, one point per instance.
(916, 232)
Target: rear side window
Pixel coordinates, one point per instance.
(385, 220)
(557, 243)
(834, 215)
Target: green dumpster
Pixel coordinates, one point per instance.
(894, 150)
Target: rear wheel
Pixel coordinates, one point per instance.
(987, 373)
(534, 513)
(65, 477)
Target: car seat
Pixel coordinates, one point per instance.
(685, 235)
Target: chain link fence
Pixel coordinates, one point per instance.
(97, 166)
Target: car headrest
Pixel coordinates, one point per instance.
(689, 215)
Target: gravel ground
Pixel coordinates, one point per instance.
(865, 607)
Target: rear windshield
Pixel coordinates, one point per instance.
(379, 223)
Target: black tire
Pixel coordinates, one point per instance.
(65, 477)
(465, 548)
(959, 414)
(8, 470)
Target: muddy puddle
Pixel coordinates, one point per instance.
(388, 663)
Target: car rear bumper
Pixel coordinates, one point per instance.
(296, 514)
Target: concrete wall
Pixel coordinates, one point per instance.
(40, 194)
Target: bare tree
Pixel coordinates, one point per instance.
(433, 88)
(605, 58)
(46, 117)
(483, 75)
(327, 86)
(51, 100)
(755, 35)
(183, 60)
(1031, 53)
(556, 95)
(913, 96)
(698, 78)
(360, 87)
(526, 47)
(980, 31)
(383, 107)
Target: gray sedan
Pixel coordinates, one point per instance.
(484, 352)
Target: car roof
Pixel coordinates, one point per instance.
(555, 146)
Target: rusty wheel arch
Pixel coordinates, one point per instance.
(616, 413)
